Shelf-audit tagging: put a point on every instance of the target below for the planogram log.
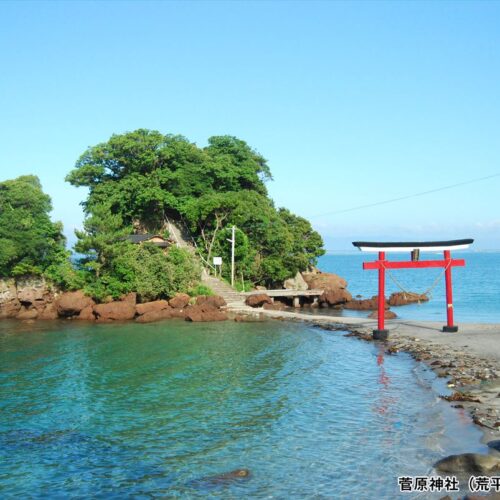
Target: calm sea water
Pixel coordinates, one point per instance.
(476, 287)
(120, 411)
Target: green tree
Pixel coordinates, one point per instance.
(144, 178)
(29, 241)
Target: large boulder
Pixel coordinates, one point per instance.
(275, 306)
(155, 315)
(154, 306)
(404, 298)
(215, 301)
(114, 311)
(258, 300)
(469, 463)
(335, 297)
(179, 301)
(87, 314)
(296, 283)
(71, 303)
(324, 281)
(9, 303)
(364, 304)
(202, 314)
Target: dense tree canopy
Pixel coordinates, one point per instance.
(30, 243)
(138, 180)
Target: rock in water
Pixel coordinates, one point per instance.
(258, 300)
(71, 303)
(468, 463)
(224, 478)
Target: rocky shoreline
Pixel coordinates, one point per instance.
(32, 299)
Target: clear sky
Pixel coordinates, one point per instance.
(351, 103)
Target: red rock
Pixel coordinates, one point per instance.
(71, 303)
(157, 315)
(49, 312)
(27, 313)
(387, 315)
(180, 300)
(87, 314)
(214, 301)
(258, 300)
(404, 298)
(324, 281)
(155, 305)
(178, 313)
(10, 309)
(131, 298)
(364, 304)
(114, 311)
(200, 314)
(335, 297)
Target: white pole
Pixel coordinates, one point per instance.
(232, 255)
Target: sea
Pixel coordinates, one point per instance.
(172, 409)
(476, 286)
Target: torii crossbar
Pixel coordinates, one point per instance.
(414, 247)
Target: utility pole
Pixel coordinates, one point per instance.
(232, 254)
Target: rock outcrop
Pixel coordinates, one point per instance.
(214, 301)
(297, 283)
(26, 297)
(469, 463)
(404, 298)
(114, 311)
(364, 304)
(179, 301)
(324, 281)
(335, 297)
(203, 313)
(154, 306)
(258, 300)
(9, 303)
(72, 303)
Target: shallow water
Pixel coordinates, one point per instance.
(113, 411)
(476, 287)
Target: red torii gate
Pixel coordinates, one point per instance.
(414, 247)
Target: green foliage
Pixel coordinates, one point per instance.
(139, 179)
(200, 290)
(29, 241)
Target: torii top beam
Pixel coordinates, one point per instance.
(405, 246)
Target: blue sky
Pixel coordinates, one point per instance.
(351, 103)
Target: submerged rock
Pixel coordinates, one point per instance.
(468, 463)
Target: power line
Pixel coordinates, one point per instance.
(401, 198)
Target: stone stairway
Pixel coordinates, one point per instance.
(233, 298)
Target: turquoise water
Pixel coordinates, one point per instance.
(476, 287)
(142, 411)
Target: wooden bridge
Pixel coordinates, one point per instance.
(293, 294)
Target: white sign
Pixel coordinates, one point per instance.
(217, 261)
